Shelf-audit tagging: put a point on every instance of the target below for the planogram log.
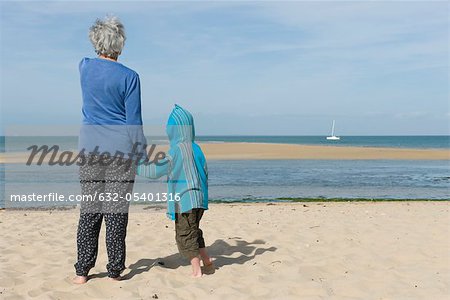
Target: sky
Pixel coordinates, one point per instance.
(241, 68)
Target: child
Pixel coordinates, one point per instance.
(187, 179)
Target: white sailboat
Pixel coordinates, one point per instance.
(333, 137)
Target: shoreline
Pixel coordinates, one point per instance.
(329, 145)
(274, 151)
(268, 202)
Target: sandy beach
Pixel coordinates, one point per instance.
(252, 151)
(226, 151)
(367, 250)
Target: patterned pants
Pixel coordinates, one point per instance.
(107, 187)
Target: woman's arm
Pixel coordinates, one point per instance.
(133, 100)
(134, 115)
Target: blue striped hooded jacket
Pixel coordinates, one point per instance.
(184, 165)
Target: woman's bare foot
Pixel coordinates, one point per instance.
(80, 280)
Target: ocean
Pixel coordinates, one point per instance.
(268, 180)
(422, 142)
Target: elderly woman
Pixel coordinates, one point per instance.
(112, 128)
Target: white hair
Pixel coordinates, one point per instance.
(108, 36)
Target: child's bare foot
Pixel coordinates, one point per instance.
(205, 258)
(209, 269)
(80, 280)
(196, 269)
(208, 263)
(196, 275)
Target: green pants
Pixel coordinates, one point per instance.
(188, 234)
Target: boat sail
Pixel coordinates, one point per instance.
(333, 137)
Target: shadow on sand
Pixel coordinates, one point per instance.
(219, 251)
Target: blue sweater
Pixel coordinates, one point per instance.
(111, 107)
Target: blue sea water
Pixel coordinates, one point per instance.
(423, 142)
(372, 179)
(250, 180)
(260, 180)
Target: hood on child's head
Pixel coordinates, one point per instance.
(180, 126)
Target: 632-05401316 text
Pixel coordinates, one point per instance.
(102, 197)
